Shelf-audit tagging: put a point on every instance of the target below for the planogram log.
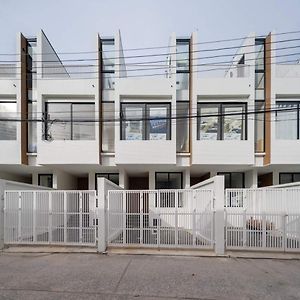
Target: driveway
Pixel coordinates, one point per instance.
(93, 276)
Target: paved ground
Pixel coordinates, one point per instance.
(93, 276)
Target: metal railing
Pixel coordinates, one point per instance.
(50, 217)
(161, 218)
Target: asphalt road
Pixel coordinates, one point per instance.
(92, 276)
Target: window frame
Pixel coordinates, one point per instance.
(45, 135)
(181, 178)
(145, 119)
(45, 174)
(105, 173)
(296, 102)
(230, 176)
(221, 117)
(288, 173)
(16, 127)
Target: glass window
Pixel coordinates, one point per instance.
(221, 121)
(70, 121)
(209, 128)
(233, 179)
(45, 180)
(288, 177)
(182, 127)
(58, 121)
(287, 122)
(259, 52)
(145, 121)
(182, 56)
(108, 127)
(234, 122)
(8, 128)
(168, 180)
(113, 177)
(182, 81)
(133, 124)
(259, 127)
(108, 81)
(32, 128)
(158, 122)
(83, 121)
(108, 54)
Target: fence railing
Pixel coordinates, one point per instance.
(262, 231)
(277, 200)
(50, 217)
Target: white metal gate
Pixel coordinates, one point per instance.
(262, 219)
(161, 218)
(50, 217)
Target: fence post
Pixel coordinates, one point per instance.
(20, 218)
(219, 215)
(284, 237)
(34, 217)
(141, 217)
(124, 218)
(65, 217)
(2, 186)
(80, 217)
(50, 225)
(244, 228)
(176, 218)
(101, 215)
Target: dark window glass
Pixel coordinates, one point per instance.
(45, 180)
(168, 180)
(182, 127)
(233, 179)
(288, 177)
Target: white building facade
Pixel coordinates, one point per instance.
(65, 122)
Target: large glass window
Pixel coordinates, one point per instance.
(287, 120)
(233, 179)
(259, 127)
(145, 121)
(70, 121)
(182, 64)
(288, 177)
(222, 121)
(8, 128)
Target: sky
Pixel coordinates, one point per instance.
(72, 25)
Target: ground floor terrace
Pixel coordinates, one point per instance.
(144, 177)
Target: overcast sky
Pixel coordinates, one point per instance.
(71, 25)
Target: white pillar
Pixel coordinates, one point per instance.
(186, 179)
(101, 215)
(219, 215)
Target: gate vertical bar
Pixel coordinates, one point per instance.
(158, 218)
(244, 228)
(284, 235)
(194, 217)
(20, 217)
(176, 218)
(141, 217)
(124, 218)
(34, 213)
(80, 217)
(264, 232)
(65, 217)
(50, 218)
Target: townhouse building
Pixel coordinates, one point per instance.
(65, 122)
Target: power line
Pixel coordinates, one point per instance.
(158, 74)
(157, 47)
(244, 113)
(163, 54)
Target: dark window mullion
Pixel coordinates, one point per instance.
(71, 120)
(221, 120)
(298, 124)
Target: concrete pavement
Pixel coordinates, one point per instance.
(93, 276)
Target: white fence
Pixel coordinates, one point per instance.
(161, 218)
(50, 217)
(263, 219)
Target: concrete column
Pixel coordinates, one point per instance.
(186, 179)
(101, 215)
(92, 185)
(151, 180)
(275, 177)
(251, 179)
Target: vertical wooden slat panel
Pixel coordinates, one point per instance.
(24, 100)
(268, 116)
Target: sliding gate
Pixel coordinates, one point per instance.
(161, 218)
(50, 217)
